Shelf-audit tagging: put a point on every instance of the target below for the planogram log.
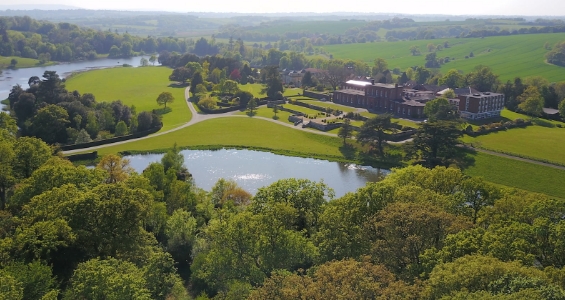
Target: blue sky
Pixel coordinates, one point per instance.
(448, 7)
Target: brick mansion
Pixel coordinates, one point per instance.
(409, 100)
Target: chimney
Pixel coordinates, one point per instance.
(372, 82)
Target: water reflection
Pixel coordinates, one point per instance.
(9, 78)
(254, 169)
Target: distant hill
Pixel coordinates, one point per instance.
(37, 6)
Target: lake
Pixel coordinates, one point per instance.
(9, 78)
(254, 169)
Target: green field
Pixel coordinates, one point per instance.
(518, 174)
(326, 104)
(509, 56)
(266, 112)
(302, 109)
(253, 88)
(537, 142)
(22, 62)
(327, 27)
(134, 86)
(248, 132)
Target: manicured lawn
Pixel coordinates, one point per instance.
(519, 174)
(253, 88)
(22, 62)
(308, 111)
(134, 86)
(292, 91)
(266, 112)
(508, 56)
(249, 132)
(403, 122)
(326, 104)
(535, 142)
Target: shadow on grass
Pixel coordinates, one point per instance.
(543, 123)
(251, 113)
(464, 158)
(488, 121)
(348, 151)
(163, 111)
(178, 85)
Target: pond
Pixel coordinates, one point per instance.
(9, 77)
(254, 169)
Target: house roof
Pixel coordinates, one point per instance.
(351, 92)
(550, 111)
(358, 82)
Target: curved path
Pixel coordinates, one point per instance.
(196, 118)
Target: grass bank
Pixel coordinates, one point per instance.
(5, 62)
(134, 86)
(241, 132)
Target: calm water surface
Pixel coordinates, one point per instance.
(255, 169)
(9, 78)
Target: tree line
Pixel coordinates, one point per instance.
(47, 41)
(108, 232)
(48, 111)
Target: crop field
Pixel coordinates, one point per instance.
(508, 56)
(240, 131)
(327, 27)
(522, 175)
(536, 142)
(134, 86)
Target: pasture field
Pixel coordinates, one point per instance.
(508, 56)
(241, 132)
(316, 26)
(134, 86)
(536, 142)
(22, 62)
(518, 174)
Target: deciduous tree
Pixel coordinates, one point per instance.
(164, 98)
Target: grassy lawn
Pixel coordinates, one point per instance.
(134, 86)
(518, 174)
(508, 56)
(22, 62)
(535, 142)
(292, 91)
(266, 112)
(403, 122)
(253, 88)
(248, 132)
(326, 104)
(306, 110)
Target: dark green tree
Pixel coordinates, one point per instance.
(346, 131)
(273, 83)
(435, 142)
(373, 132)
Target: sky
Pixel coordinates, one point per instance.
(446, 7)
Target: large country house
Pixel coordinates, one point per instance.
(410, 101)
